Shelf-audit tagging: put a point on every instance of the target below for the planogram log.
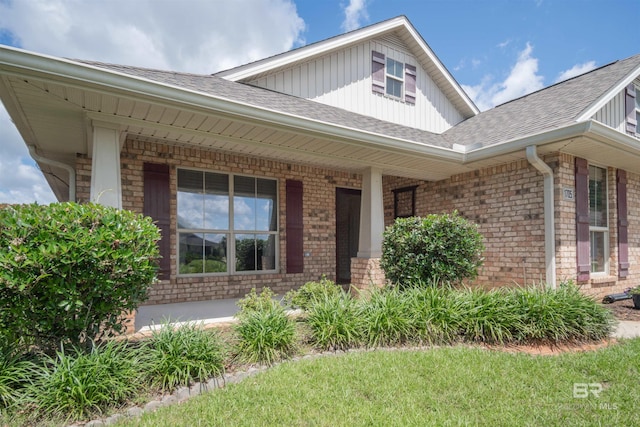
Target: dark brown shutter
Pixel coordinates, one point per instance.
(295, 228)
(623, 224)
(377, 72)
(156, 205)
(583, 250)
(410, 84)
(630, 109)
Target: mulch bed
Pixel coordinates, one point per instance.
(623, 310)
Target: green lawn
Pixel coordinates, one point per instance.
(441, 386)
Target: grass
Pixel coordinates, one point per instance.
(442, 386)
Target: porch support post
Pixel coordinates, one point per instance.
(371, 215)
(365, 269)
(106, 187)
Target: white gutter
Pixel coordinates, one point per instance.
(55, 163)
(549, 219)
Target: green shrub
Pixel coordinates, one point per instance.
(77, 385)
(253, 302)
(68, 271)
(265, 335)
(180, 355)
(312, 292)
(445, 248)
(334, 322)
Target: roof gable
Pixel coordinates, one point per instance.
(398, 29)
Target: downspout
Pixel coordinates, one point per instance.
(55, 163)
(549, 219)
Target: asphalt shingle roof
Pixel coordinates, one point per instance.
(549, 108)
(264, 98)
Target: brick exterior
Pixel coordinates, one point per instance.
(318, 205)
(505, 201)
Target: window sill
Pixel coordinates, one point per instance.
(601, 281)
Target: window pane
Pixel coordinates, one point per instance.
(395, 68)
(216, 201)
(394, 87)
(215, 253)
(266, 205)
(598, 261)
(244, 203)
(245, 252)
(190, 199)
(266, 251)
(597, 197)
(190, 253)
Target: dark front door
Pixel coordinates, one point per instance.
(347, 231)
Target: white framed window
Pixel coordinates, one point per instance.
(598, 220)
(226, 223)
(394, 75)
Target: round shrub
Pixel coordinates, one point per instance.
(436, 248)
(68, 271)
(311, 293)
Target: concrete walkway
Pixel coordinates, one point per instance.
(627, 329)
(214, 311)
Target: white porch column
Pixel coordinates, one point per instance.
(371, 215)
(106, 186)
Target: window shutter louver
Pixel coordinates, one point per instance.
(377, 72)
(630, 109)
(623, 224)
(583, 250)
(410, 84)
(294, 227)
(156, 205)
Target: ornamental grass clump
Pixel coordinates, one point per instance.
(386, 317)
(334, 322)
(265, 332)
(77, 384)
(16, 374)
(181, 355)
(489, 316)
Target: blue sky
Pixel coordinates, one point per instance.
(496, 49)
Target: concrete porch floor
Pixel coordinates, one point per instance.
(212, 311)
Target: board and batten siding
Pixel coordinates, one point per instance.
(613, 114)
(343, 79)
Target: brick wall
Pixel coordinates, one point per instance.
(318, 206)
(507, 204)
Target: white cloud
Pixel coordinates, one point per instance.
(522, 79)
(576, 70)
(192, 36)
(354, 13)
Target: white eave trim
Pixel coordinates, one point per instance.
(608, 95)
(43, 67)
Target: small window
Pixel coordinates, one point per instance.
(404, 202)
(394, 78)
(598, 220)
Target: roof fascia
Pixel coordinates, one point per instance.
(608, 95)
(16, 61)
